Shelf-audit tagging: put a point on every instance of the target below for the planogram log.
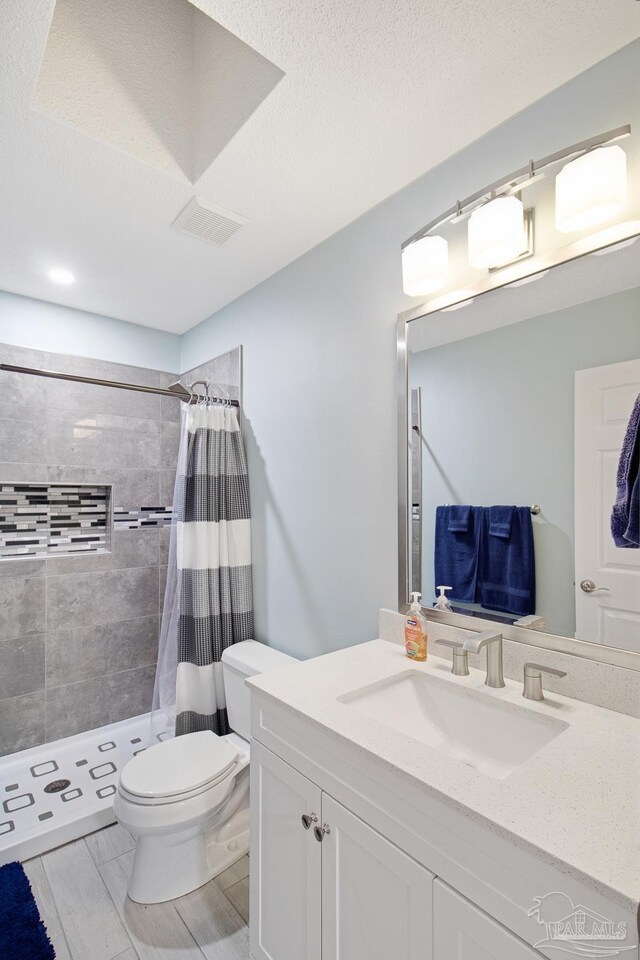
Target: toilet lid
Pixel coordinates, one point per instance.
(179, 765)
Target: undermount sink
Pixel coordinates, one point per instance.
(492, 736)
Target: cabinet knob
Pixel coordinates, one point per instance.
(320, 832)
(308, 819)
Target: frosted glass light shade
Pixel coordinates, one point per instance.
(425, 266)
(591, 189)
(496, 233)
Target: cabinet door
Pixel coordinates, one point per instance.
(464, 932)
(285, 861)
(376, 900)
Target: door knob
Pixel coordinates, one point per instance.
(320, 832)
(588, 586)
(308, 819)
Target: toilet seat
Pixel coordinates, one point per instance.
(178, 769)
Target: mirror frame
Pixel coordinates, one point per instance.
(601, 653)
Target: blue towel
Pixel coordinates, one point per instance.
(625, 516)
(500, 520)
(506, 562)
(459, 518)
(456, 551)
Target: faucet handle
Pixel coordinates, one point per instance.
(533, 679)
(460, 665)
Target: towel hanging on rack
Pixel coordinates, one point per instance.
(625, 515)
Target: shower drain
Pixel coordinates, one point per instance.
(57, 785)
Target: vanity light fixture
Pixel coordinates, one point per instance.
(425, 266)
(591, 189)
(500, 229)
(611, 238)
(61, 276)
(496, 233)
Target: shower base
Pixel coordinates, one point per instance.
(60, 791)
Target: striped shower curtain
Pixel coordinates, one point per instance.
(211, 606)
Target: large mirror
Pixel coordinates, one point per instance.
(516, 410)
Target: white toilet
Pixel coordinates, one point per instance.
(186, 800)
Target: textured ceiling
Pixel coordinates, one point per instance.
(373, 95)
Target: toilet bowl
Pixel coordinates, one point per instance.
(186, 800)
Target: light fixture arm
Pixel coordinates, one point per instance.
(518, 180)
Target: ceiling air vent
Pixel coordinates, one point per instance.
(207, 222)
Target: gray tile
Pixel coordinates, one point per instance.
(156, 930)
(134, 443)
(21, 665)
(85, 653)
(132, 488)
(33, 412)
(223, 369)
(170, 409)
(106, 370)
(170, 441)
(81, 441)
(129, 548)
(238, 894)
(233, 874)
(21, 723)
(23, 441)
(19, 389)
(111, 842)
(165, 542)
(89, 919)
(21, 472)
(22, 606)
(89, 599)
(162, 587)
(22, 569)
(77, 707)
(215, 925)
(90, 398)
(167, 484)
(96, 439)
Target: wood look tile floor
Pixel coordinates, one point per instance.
(81, 892)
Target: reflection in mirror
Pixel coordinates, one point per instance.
(525, 397)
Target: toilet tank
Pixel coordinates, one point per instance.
(241, 660)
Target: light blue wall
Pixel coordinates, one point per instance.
(319, 379)
(507, 398)
(45, 326)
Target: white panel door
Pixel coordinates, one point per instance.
(285, 861)
(464, 932)
(611, 613)
(376, 900)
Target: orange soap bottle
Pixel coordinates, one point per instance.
(415, 631)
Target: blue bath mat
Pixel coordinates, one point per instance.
(23, 935)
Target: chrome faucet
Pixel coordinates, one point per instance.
(493, 642)
(533, 679)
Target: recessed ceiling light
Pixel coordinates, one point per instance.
(59, 275)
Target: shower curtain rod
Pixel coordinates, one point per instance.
(177, 391)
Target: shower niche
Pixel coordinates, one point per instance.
(54, 519)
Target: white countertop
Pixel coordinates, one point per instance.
(576, 801)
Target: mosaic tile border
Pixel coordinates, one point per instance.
(142, 517)
(54, 519)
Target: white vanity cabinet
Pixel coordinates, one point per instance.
(337, 890)
(399, 872)
(286, 862)
(463, 932)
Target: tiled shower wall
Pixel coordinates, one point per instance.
(79, 635)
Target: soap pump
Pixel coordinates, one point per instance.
(442, 603)
(415, 630)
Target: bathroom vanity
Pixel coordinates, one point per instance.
(390, 821)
